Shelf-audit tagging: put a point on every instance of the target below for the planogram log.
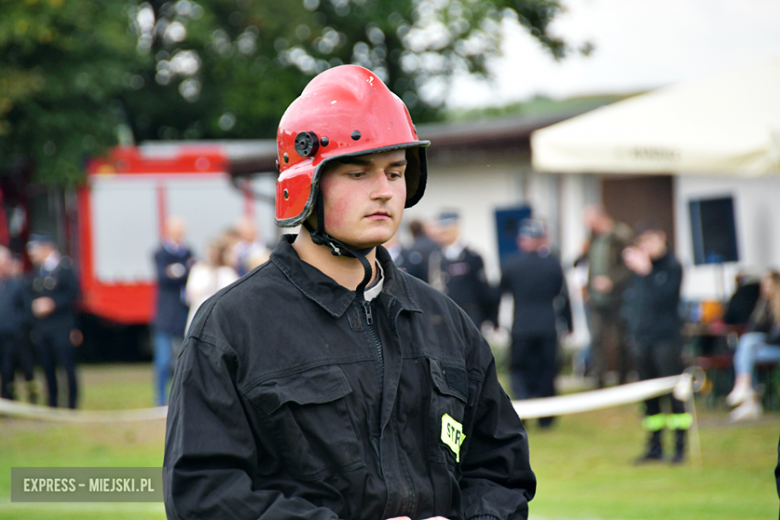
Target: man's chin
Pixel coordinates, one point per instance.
(365, 242)
(369, 239)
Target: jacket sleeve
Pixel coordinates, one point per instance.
(210, 452)
(563, 305)
(497, 480)
(68, 291)
(489, 295)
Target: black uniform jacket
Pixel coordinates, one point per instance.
(466, 283)
(62, 286)
(291, 400)
(12, 313)
(653, 303)
(537, 284)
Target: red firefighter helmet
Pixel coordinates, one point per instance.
(345, 111)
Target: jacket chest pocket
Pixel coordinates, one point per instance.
(446, 411)
(307, 417)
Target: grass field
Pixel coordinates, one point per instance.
(583, 465)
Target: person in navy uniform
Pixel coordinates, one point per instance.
(460, 273)
(173, 260)
(49, 301)
(536, 282)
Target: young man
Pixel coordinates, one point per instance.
(327, 383)
(652, 300)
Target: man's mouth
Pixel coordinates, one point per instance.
(378, 215)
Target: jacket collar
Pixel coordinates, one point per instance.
(395, 284)
(324, 290)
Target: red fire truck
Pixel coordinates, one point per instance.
(113, 225)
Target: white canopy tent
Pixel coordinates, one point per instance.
(729, 124)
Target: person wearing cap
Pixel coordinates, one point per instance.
(652, 303)
(535, 280)
(461, 271)
(49, 300)
(328, 383)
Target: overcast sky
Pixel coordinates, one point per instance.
(640, 45)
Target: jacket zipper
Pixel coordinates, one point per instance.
(377, 344)
(369, 315)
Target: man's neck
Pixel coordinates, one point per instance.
(346, 271)
(454, 249)
(51, 262)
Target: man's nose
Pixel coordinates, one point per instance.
(381, 188)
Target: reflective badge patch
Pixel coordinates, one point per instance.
(452, 434)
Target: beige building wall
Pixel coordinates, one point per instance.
(477, 189)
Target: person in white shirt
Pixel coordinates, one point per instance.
(209, 276)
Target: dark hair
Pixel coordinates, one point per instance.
(416, 228)
(648, 225)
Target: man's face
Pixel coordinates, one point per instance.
(653, 243)
(175, 230)
(364, 198)
(447, 234)
(38, 252)
(530, 244)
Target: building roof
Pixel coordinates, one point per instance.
(506, 134)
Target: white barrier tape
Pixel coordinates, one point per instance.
(605, 398)
(44, 413)
(526, 409)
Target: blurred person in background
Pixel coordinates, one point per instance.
(607, 278)
(396, 251)
(742, 303)
(14, 350)
(250, 251)
(653, 300)
(423, 253)
(460, 273)
(536, 282)
(172, 260)
(581, 360)
(232, 239)
(760, 343)
(209, 275)
(49, 298)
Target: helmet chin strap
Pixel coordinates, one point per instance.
(338, 248)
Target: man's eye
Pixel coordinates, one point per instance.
(394, 175)
(356, 175)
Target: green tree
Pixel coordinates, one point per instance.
(249, 60)
(62, 66)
